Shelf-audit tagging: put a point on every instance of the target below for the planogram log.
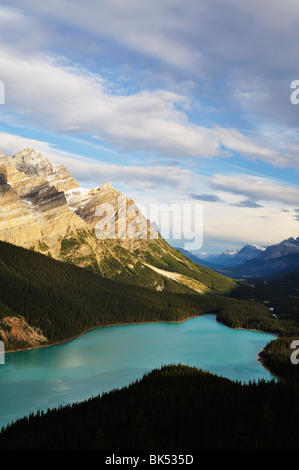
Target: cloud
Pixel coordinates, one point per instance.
(46, 89)
(225, 49)
(146, 177)
(16, 27)
(149, 29)
(163, 80)
(206, 197)
(247, 203)
(70, 99)
(172, 33)
(89, 171)
(256, 189)
(241, 225)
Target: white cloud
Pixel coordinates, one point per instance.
(147, 28)
(89, 171)
(233, 31)
(236, 50)
(242, 226)
(146, 177)
(258, 189)
(67, 98)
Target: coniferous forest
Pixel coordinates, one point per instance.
(175, 408)
(63, 300)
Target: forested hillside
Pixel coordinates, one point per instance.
(176, 408)
(61, 301)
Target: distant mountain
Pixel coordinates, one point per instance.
(227, 258)
(286, 247)
(200, 261)
(277, 259)
(235, 258)
(254, 261)
(189, 254)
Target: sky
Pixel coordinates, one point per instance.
(183, 103)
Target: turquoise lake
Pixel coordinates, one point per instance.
(115, 356)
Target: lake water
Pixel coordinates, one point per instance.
(112, 357)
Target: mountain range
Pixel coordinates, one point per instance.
(227, 258)
(237, 257)
(275, 260)
(255, 261)
(43, 208)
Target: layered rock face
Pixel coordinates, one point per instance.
(34, 211)
(111, 214)
(34, 164)
(41, 204)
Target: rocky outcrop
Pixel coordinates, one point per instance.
(15, 330)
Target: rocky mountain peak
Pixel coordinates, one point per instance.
(107, 187)
(290, 241)
(32, 163)
(286, 247)
(250, 247)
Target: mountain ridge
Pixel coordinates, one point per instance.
(233, 258)
(275, 260)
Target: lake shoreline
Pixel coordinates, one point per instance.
(104, 360)
(102, 326)
(259, 358)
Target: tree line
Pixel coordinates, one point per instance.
(175, 408)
